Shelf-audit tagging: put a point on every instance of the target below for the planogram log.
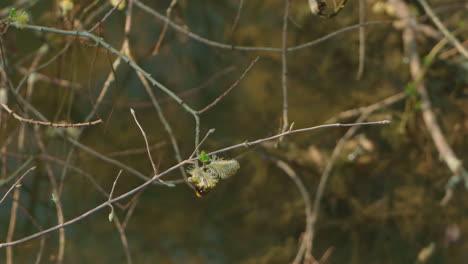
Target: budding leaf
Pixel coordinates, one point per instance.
(54, 198)
(204, 157)
(18, 18)
(111, 216)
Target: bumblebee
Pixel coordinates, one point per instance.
(201, 191)
(206, 177)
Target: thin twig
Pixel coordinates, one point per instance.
(111, 214)
(325, 176)
(123, 237)
(133, 203)
(164, 30)
(58, 82)
(238, 14)
(212, 43)
(211, 131)
(16, 183)
(362, 39)
(115, 219)
(100, 22)
(155, 170)
(12, 225)
(206, 108)
(284, 66)
(113, 185)
(370, 108)
(308, 211)
(134, 151)
(290, 132)
(35, 122)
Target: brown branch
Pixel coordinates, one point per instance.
(370, 108)
(16, 183)
(42, 77)
(135, 151)
(290, 132)
(307, 238)
(284, 67)
(326, 174)
(206, 108)
(362, 39)
(164, 30)
(123, 237)
(36, 122)
(102, 20)
(237, 18)
(12, 225)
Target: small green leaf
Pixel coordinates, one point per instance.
(170, 185)
(410, 90)
(18, 185)
(204, 157)
(427, 60)
(418, 106)
(461, 24)
(111, 216)
(13, 13)
(18, 18)
(54, 198)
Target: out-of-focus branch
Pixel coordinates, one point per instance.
(304, 248)
(362, 39)
(55, 198)
(206, 108)
(16, 183)
(164, 30)
(284, 66)
(326, 174)
(444, 149)
(443, 29)
(370, 108)
(216, 44)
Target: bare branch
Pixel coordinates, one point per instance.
(216, 44)
(164, 30)
(16, 183)
(35, 122)
(284, 66)
(206, 108)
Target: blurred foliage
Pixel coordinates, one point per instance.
(380, 207)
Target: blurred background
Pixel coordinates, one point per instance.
(382, 201)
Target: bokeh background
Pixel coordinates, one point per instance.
(382, 201)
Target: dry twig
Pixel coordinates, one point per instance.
(36, 122)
